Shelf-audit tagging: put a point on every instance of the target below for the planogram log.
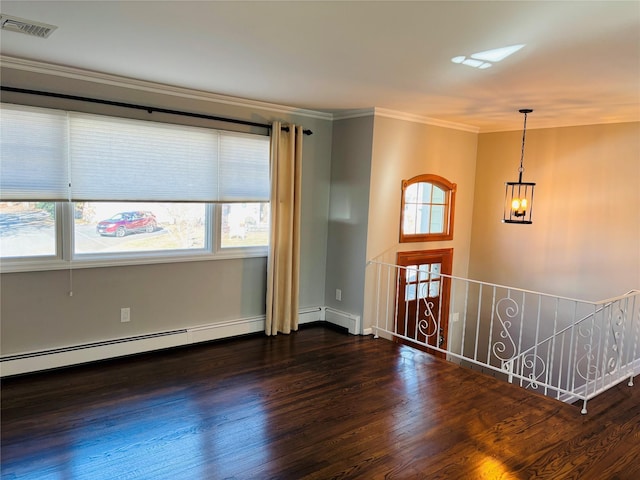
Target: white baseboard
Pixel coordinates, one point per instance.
(76, 354)
(217, 331)
(379, 333)
(309, 315)
(343, 319)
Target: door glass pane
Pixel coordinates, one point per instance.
(423, 289)
(435, 270)
(424, 271)
(411, 273)
(434, 289)
(410, 292)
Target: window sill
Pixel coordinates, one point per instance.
(56, 264)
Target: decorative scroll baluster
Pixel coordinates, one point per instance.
(505, 349)
(566, 348)
(428, 325)
(617, 328)
(586, 366)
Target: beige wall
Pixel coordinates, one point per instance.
(36, 311)
(585, 238)
(404, 149)
(401, 150)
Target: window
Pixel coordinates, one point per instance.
(91, 188)
(244, 225)
(28, 229)
(427, 209)
(116, 227)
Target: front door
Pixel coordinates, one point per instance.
(422, 303)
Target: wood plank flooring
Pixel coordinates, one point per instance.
(317, 404)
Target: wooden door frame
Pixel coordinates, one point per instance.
(414, 257)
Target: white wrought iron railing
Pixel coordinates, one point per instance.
(562, 347)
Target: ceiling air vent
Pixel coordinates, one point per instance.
(28, 27)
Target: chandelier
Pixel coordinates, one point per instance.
(518, 196)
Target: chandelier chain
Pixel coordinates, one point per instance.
(524, 133)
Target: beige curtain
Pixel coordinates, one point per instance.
(283, 265)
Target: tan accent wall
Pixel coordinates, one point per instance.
(402, 150)
(585, 238)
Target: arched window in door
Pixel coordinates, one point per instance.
(428, 203)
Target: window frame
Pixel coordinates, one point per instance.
(98, 258)
(449, 189)
(65, 256)
(235, 252)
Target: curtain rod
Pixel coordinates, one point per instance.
(144, 107)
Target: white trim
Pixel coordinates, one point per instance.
(409, 117)
(7, 266)
(343, 319)
(367, 331)
(347, 114)
(310, 314)
(117, 81)
(381, 333)
(66, 260)
(152, 87)
(217, 331)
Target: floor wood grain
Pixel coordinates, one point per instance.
(317, 404)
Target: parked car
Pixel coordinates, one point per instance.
(128, 222)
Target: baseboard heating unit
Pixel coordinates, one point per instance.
(89, 352)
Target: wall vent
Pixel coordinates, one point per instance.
(28, 27)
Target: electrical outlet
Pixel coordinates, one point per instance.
(338, 294)
(125, 315)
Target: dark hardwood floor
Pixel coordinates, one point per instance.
(318, 404)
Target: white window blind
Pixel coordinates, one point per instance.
(120, 159)
(244, 168)
(33, 154)
(116, 159)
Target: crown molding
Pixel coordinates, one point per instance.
(151, 87)
(409, 117)
(346, 114)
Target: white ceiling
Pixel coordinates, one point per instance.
(580, 65)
